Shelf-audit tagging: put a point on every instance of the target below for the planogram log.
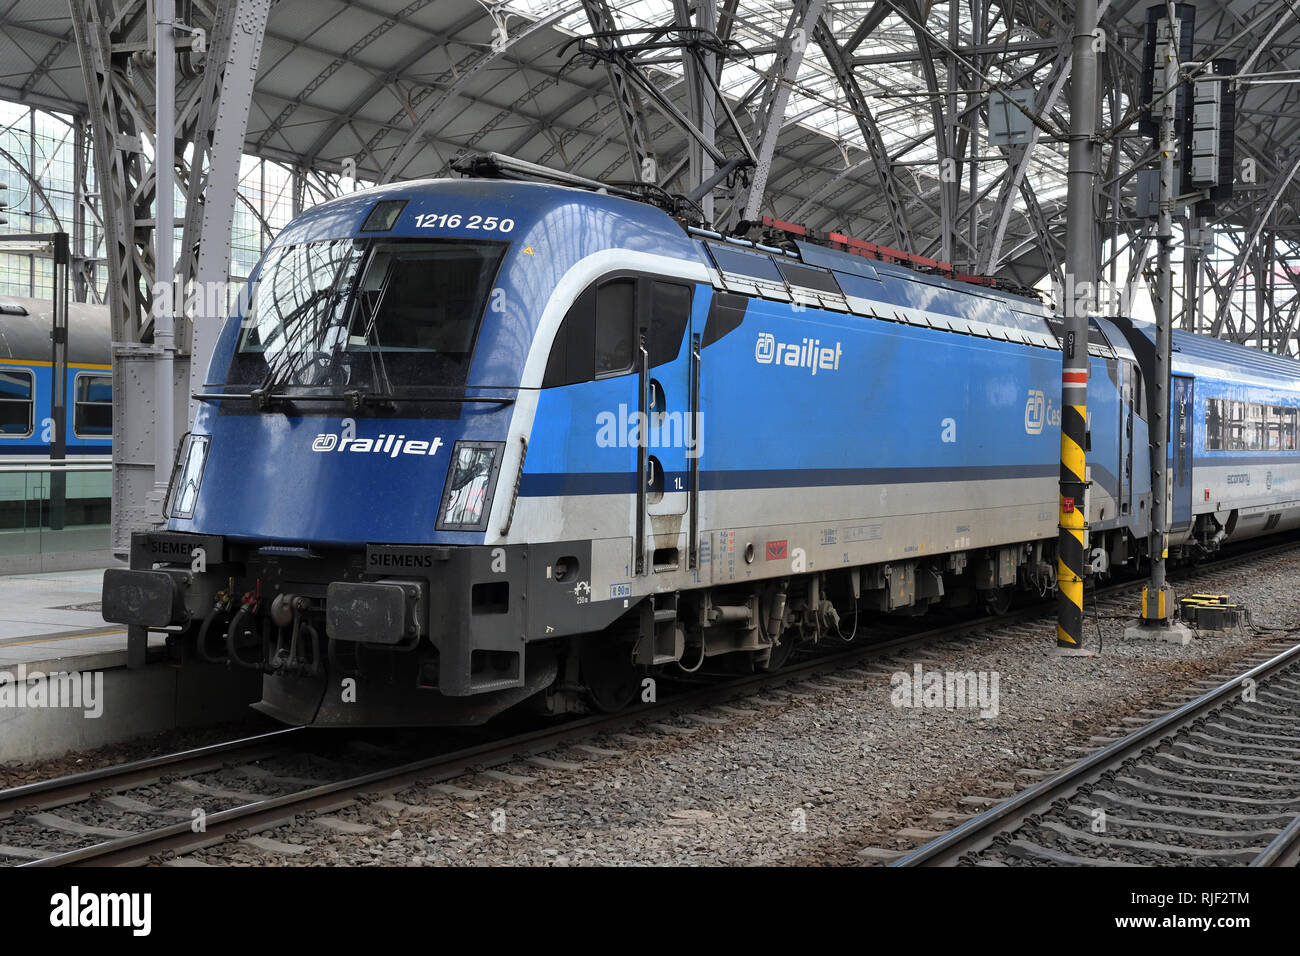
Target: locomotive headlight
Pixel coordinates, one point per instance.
(183, 494)
(471, 481)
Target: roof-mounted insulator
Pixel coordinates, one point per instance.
(870, 250)
(501, 166)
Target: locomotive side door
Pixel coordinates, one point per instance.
(667, 356)
(1127, 412)
(1180, 451)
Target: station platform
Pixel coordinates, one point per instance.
(64, 680)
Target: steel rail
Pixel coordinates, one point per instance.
(979, 832)
(1284, 850)
(72, 788)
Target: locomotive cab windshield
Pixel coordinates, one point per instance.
(381, 315)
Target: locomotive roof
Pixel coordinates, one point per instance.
(627, 223)
(527, 202)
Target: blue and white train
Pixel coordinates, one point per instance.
(33, 493)
(479, 442)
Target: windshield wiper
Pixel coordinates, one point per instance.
(355, 399)
(378, 371)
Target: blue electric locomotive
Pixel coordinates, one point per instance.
(476, 442)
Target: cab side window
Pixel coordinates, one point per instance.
(615, 326)
(600, 336)
(597, 338)
(571, 358)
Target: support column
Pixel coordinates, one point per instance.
(1157, 597)
(119, 120)
(226, 143)
(78, 252)
(164, 297)
(1081, 268)
(701, 106)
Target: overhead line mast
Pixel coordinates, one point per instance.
(1080, 285)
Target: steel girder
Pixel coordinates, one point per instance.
(625, 96)
(1262, 215)
(875, 16)
(1018, 159)
(943, 131)
(839, 65)
(213, 187)
(701, 101)
(776, 95)
(119, 120)
(47, 61)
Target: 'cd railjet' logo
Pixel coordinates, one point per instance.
(1039, 411)
(390, 445)
(809, 353)
(1035, 412)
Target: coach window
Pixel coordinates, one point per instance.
(1234, 426)
(16, 403)
(1214, 424)
(93, 407)
(615, 318)
(1256, 428)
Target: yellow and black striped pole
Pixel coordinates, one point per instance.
(1080, 293)
(1070, 551)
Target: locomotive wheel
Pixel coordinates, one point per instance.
(998, 602)
(611, 679)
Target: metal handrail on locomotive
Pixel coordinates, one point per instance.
(476, 443)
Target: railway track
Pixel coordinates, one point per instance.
(125, 830)
(1215, 782)
(51, 794)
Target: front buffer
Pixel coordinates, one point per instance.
(388, 635)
